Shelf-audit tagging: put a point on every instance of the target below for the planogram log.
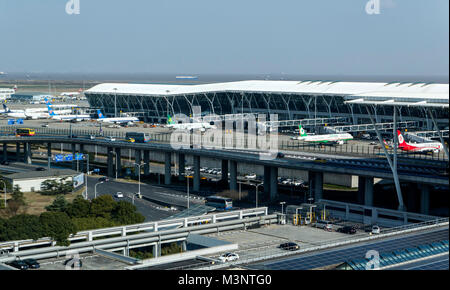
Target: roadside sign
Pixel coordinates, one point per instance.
(68, 157)
(59, 158)
(20, 121)
(11, 122)
(79, 156)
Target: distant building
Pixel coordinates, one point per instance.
(31, 181)
(6, 93)
(30, 96)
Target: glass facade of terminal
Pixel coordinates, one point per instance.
(287, 106)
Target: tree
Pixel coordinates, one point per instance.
(17, 195)
(79, 208)
(53, 187)
(59, 204)
(21, 227)
(102, 206)
(58, 226)
(125, 213)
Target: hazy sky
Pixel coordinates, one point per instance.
(408, 37)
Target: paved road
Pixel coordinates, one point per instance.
(152, 210)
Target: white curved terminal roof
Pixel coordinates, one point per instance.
(355, 92)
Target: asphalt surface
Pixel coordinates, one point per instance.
(154, 207)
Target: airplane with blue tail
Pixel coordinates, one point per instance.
(116, 120)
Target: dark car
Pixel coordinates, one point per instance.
(5, 162)
(347, 230)
(103, 179)
(75, 262)
(280, 155)
(21, 265)
(32, 263)
(40, 169)
(289, 246)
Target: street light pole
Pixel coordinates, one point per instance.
(95, 189)
(139, 176)
(115, 153)
(4, 186)
(86, 176)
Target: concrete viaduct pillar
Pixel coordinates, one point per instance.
(82, 162)
(273, 183)
(74, 151)
(17, 151)
(266, 181)
(49, 150)
(5, 151)
(315, 180)
(118, 162)
(224, 178)
(27, 151)
(110, 162)
(233, 175)
(196, 185)
(137, 160)
(424, 198)
(181, 166)
(167, 168)
(365, 190)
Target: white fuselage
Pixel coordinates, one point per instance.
(337, 138)
(192, 126)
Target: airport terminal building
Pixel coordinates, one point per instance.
(289, 99)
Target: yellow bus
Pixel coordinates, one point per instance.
(25, 132)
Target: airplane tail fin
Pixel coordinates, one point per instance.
(302, 131)
(50, 111)
(401, 140)
(5, 107)
(100, 114)
(170, 120)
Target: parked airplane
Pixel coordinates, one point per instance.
(327, 138)
(202, 126)
(118, 120)
(77, 118)
(24, 114)
(433, 147)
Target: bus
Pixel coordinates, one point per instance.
(138, 137)
(220, 203)
(25, 132)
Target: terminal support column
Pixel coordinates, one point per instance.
(167, 168)
(110, 162)
(146, 162)
(273, 183)
(233, 175)
(118, 161)
(196, 185)
(181, 166)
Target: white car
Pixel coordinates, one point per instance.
(250, 176)
(228, 257)
(118, 195)
(376, 230)
(111, 139)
